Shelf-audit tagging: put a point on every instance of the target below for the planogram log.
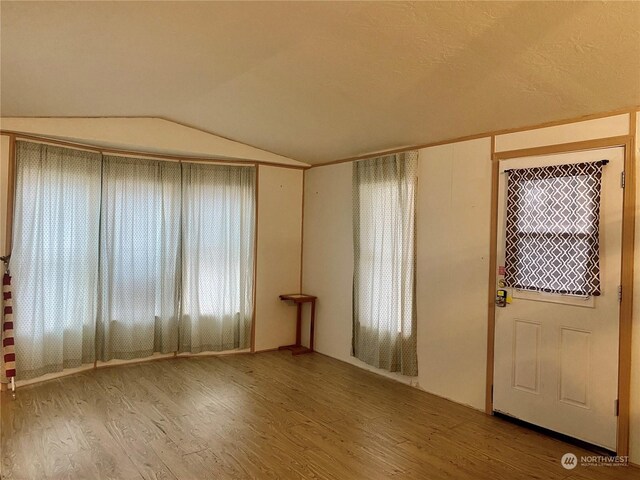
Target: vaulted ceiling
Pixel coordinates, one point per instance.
(318, 81)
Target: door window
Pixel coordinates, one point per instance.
(552, 236)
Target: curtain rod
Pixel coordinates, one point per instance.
(108, 152)
(601, 162)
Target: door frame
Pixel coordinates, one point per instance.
(628, 232)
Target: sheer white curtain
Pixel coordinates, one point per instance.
(119, 258)
(218, 219)
(55, 257)
(384, 312)
(139, 258)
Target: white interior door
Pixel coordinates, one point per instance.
(556, 356)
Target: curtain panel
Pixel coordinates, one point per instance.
(218, 220)
(139, 281)
(384, 307)
(118, 258)
(54, 259)
(553, 228)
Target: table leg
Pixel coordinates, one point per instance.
(311, 324)
(299, 325)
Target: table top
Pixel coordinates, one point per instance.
(298, 297)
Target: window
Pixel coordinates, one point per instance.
(139, 258)
(217, 262)
(119, 257)
(54, 259)
(552, 236)
(384, 316)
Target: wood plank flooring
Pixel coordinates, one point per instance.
(264, 416)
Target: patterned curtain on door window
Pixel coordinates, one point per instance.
(552, 231)
(218, 218)
(384, 312)
(139, 258)
(54, 259)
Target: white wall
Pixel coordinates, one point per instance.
(567, 133)
(453, 214)
(454, 188)
(328, 259)
(279, 254)
(328, 255)
(142, 134)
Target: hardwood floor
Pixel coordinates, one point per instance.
(264, 416)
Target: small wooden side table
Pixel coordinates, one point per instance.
(299, 299)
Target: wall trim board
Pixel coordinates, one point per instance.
(493, 242)
(119, 363)
(606, 142)
(626, 303)
(410, 382)
(492, 133)
(304, 175)
(11, 187)
(393, 376)
(255, 261)
(143, 154)
(627, 267)
(565, 133)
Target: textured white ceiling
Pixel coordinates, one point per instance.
(317, 81)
